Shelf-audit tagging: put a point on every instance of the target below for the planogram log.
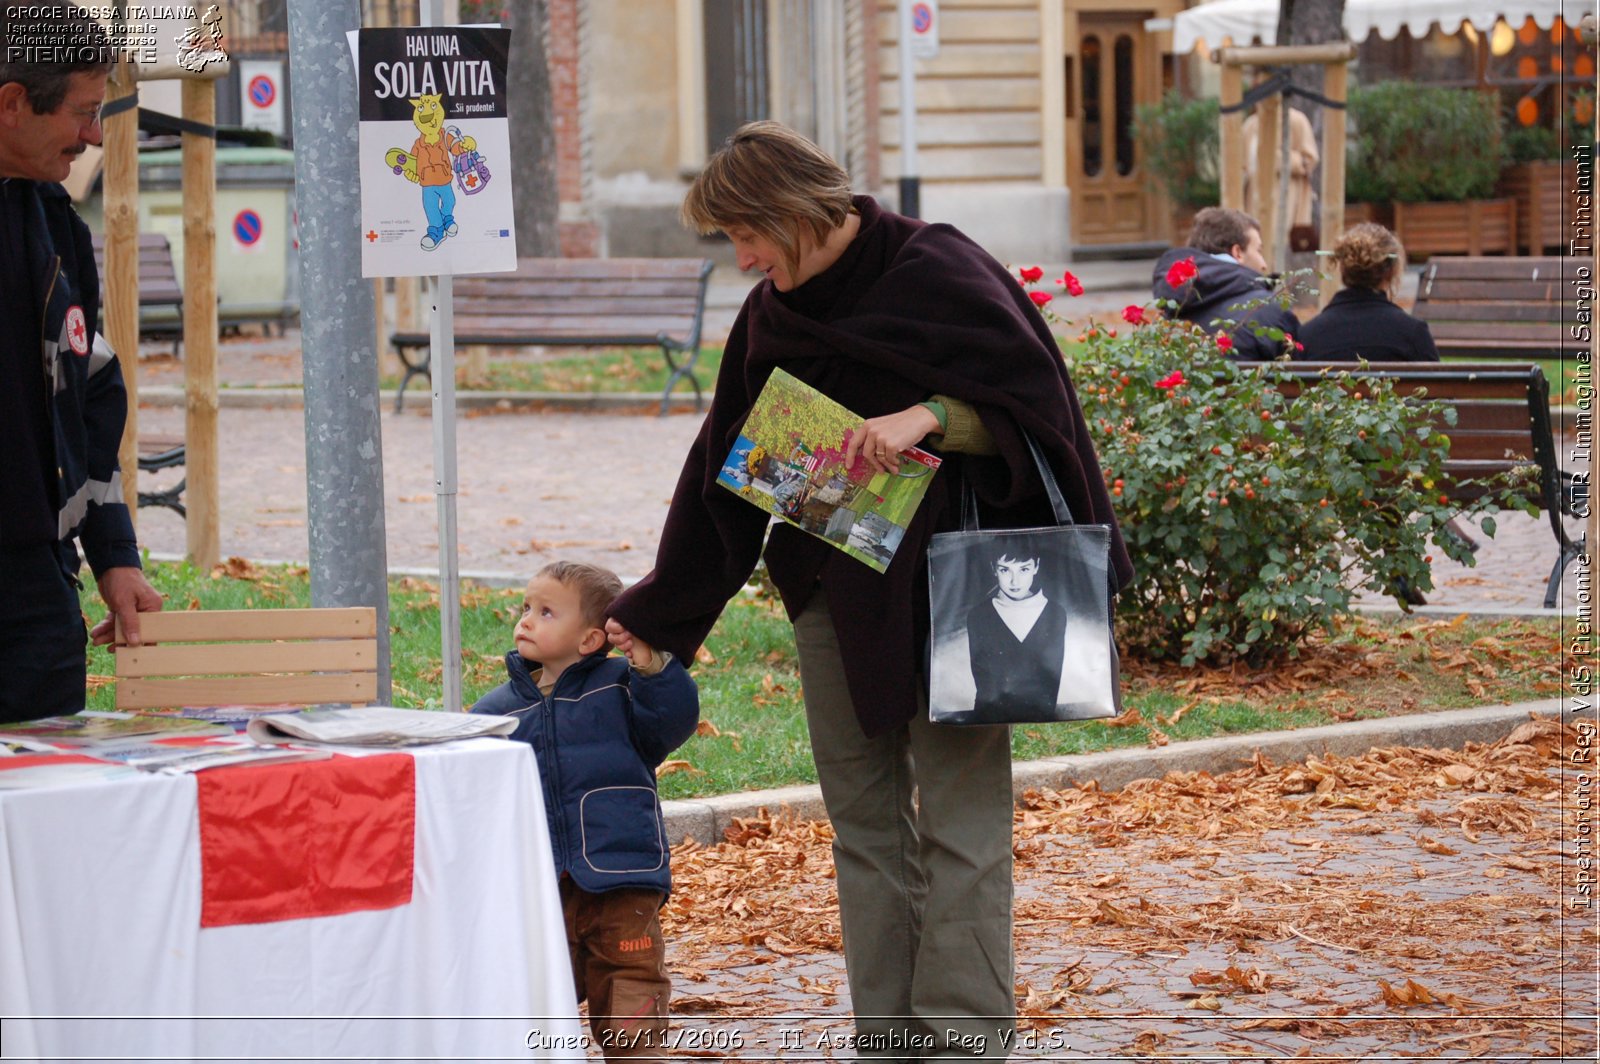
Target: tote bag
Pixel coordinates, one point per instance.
(1020, 627)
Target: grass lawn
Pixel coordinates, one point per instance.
(753, 733)
(633, 369)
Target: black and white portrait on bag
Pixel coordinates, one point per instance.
(1020, 623)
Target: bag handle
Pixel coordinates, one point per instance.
(1058, 504)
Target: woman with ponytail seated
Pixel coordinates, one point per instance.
(1361, 321)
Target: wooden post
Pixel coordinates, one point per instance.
(1333, 149)
(1232, 148)
(408, 304)
(1264, 185)
(200, 324)
(477, 366)
(388, 362)
(120, 285)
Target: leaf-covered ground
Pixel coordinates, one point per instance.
(1405, 903)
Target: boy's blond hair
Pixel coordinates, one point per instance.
(773, 181)
(597, 588)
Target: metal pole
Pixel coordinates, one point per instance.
(910, 183)
(344, 434)
(442, 338)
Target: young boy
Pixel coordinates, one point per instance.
(599, 726)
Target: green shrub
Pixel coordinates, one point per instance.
(1251, 517)
(1179, 142)
(1416, 143)
(1527, 144)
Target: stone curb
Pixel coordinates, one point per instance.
(705, 819)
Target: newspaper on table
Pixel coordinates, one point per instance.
(376, 726)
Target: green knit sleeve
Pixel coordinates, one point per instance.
(964, 431)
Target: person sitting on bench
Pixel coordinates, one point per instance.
(1217, 282)
(1361, 321)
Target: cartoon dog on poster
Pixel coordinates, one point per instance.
(440, 157)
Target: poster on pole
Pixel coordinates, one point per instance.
(435, 150)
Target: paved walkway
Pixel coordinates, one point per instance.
(1400, 903)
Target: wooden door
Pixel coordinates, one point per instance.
(1116, 71)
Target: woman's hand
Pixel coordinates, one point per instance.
(881, 439)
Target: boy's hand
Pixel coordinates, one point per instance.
(641, 655)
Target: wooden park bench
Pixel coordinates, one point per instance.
(163, 452)
(158, 287)
(1502, 423)
(580, 303)
(1500, 307)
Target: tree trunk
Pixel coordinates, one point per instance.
(1310, 22)
(533, 136)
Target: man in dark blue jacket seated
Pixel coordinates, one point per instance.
(1217, 282)
(599, 728)
(62, 400)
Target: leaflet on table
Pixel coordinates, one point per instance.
(56, 770)
(100, 727)
(376, 726)
(163, 757)
(789, 460)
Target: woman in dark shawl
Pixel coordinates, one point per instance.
(934, 343)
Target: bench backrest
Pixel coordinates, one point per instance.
(595, 300)
(1493, 307)
(158, 277)
(250, 657)
(1502, 414)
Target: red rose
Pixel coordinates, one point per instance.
(1133, 315)
(1171, 380)
(1040, 298)
(1224, 341)
(1072, 285)
(1181, 272)
(1030, 274)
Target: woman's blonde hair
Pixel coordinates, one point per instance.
(769, 179)
(1369, 256)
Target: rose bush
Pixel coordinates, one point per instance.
(1253, 517)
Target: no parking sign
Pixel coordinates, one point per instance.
(247, 229)
(261, 94)
(924, 28)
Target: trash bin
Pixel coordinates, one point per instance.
(257, 264)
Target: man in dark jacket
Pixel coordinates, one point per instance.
(62, 401)
(1217, 282)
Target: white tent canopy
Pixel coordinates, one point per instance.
(1242, 22)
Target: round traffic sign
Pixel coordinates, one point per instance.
(921, 18)
(247, 227)
(262, 91)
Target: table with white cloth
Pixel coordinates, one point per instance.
(103, 954)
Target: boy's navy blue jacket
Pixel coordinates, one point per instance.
(598, 738)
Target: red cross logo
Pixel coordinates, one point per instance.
(372, 236)
(77, 331)
(472, 180)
